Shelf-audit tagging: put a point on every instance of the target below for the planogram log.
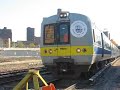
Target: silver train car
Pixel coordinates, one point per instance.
(71, 45)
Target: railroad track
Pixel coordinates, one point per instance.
(10, 79)
(11, 76)
(17, 75)
(21, 72)
(6, 78)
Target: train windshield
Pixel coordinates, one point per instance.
(49, 34)
(63, 33)
(57, 33)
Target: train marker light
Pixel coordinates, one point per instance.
(45, 51)
(50, 51)
(78, 50)
(63, 15)
(84, 50)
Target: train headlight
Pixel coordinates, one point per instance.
(50, 51)
(78, 50)
(84, 50)
(63, 15)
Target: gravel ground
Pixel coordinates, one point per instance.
(111, 79)
(15, 64)
(12, 59)
(9, 65)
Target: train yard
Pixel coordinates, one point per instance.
(107, 79)
(73, 54)
(12, 69)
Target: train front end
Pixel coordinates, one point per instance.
(66, 44)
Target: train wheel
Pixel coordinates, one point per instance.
(94, 68)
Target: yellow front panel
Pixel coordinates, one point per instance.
(66, 51)
(45, 51)
(89, 50)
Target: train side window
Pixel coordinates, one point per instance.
(97, 37)
(93, 35)
(49, 34)
(106, 43)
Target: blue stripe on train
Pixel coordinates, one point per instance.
(98, 50)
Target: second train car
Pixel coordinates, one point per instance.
(71, 45)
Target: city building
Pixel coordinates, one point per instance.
(32, 40)
(6, 33)
(37, 40)
(6, 37)
(30, 34)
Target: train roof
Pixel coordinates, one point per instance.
(71, 15)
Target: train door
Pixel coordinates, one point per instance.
(63, 35)
(102, 45)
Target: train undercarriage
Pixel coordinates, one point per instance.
(65, 68)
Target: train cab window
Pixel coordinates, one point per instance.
(49, 34)
(93, 35)
(64, 33)
(106, 43)
(97, 37)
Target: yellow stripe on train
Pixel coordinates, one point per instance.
(66, 51)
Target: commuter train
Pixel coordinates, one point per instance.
(71, 45)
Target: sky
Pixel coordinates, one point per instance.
(20, 14)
